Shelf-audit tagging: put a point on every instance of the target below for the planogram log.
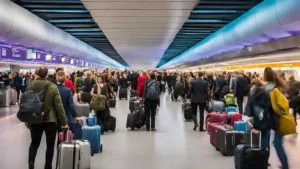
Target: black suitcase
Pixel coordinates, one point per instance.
(134, 93)
(123, 94)
(188, 114)
(112, 102)
(227, 139)
(134, 120)
(109, 124)
(131, 103)
(250, 156)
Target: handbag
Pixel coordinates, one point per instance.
(98, 102)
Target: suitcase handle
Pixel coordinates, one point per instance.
(251, 143)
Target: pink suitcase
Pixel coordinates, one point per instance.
(215, 117)
(69, 136)
(214, 127)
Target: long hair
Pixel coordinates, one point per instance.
(271, 76)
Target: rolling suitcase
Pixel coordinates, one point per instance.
(134, 120)
(250, 156)
(109, 124)
(123, 94)
(132, 101)
(230, 109)
(235, 117)
(227, 139)
(112, 102)
(214, 127)
(92, 134)
(215, 117)
(68, 155)
(85, 153)
(188, 114)
(12, 97)
(134, 93)
(82, 109)
(217, 106)
(240, 125)
(82, 120)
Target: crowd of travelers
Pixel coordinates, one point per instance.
(201, 87)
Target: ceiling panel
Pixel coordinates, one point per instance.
(141, 25)
(140, 13)
(139, 19)
(206, 18)
(72, 17)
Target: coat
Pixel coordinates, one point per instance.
(68, 102)
(53, 106)
(141, 83)
(199, 91)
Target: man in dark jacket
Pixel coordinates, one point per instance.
(242, 89)
(199, 97)
(134, 80)
(218, 85)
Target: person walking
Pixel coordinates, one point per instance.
(152, 95)
(199, 97)
(18, 84)
(53, 111)
(242, 89)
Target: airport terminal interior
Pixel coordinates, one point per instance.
(115, 65)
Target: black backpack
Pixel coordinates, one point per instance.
(31, 106)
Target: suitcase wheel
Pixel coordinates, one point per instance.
(101, 148)
(132, 128)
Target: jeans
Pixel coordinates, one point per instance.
(194, 111)
(150, 110)
(18, 89)
(36, 131)
(265, 140)
(280, 150)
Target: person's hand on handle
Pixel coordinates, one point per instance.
(65, 126)
(255, 131)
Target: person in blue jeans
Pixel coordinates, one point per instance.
(260, 96)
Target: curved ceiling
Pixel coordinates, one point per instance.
(207, 17)
(72, 17)
(270, 20)
(140, 30)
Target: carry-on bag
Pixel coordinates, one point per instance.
(67, 137)
(217, 105)
(235, 117)
(215, 117)
(134, 93)
(214, 127)
(229, 99)
(123, 94)
(92, 120)
(12, 97)
(112, 102)
(131, 103)
(250, 156)
(109, 124)
(134, 120)
(92, 134)
(68, 155)
(82, 109)
(240, 125)
(227, 139)
(230, 109)
(85, 153)
(188, 114)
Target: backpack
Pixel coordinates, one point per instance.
(229, 100)
(152, 91)
(31, 106)
(262, 109)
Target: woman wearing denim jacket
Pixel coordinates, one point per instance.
(259, 95)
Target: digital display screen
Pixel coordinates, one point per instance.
(31, 55)
(40, 57)
(56, 59)
(5, 53)
(62, 59)
(48, 57)
(18, 53)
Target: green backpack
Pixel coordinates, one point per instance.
(229, 99)
(98, 102)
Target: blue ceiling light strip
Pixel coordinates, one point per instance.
(213, 11)
(270, 20)
(207, 17)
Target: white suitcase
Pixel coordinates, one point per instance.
(12, 97)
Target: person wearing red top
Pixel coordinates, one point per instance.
(69, 84)
(141, 82)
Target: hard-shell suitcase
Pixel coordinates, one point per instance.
(227, 139)
(188, 114)
(123, 94)
(82, 109)
(215, 117)
(217, 106)
(250, 156)
(131, 103)
(85, 153)
(134, 93)
(230, 109)
(13, 97)
(109, 124)
(82, 120)
(235, 117)
(240, 125)
(92, 120)
(92, 134)
(112, 102)
(214, 127)
(68, 155)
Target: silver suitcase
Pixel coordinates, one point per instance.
(82, 109)
(68, 156)
(12, 97)
(82, 120)
(74, 155)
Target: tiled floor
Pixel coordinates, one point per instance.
(173, 146)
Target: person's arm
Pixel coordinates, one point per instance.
(93, 91)
(59, 108)
(71, 105)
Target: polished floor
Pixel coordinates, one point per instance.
(173, 146)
